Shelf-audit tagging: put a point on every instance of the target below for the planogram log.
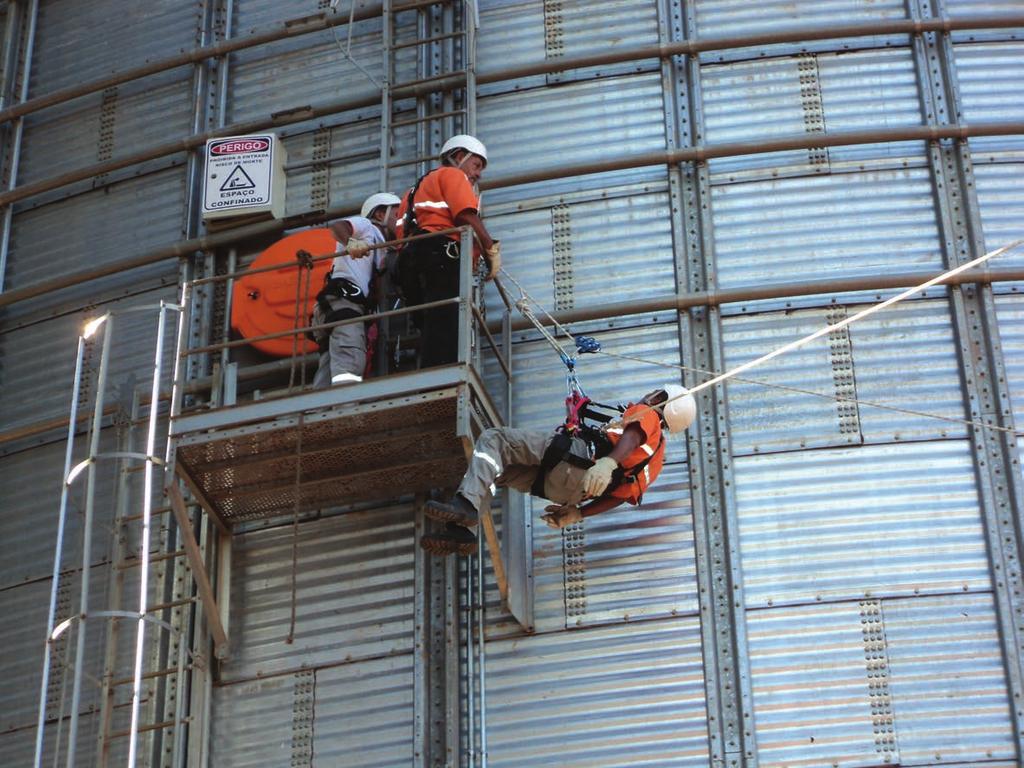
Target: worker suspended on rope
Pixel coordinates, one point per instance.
(428, 269)
(348, 290)
(601, 455)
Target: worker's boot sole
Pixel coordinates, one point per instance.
(441, 545)
(458, 513)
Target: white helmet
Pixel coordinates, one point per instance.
(464, 141)
(377, 200)
(680, 408)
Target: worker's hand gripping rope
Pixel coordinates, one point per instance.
(357, 248)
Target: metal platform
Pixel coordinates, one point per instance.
(379, 439)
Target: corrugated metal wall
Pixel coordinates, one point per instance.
(351, 657)
(870, 607)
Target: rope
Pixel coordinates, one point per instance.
(854, 318)
(305, 262)
(524, 309)
(301, 298)
(718, 378)
(823, 395)
(295, 527)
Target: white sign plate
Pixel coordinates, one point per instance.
(238, 173)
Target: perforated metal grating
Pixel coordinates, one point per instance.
(348, 454)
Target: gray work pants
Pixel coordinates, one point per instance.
(507, 457)
(346, 350)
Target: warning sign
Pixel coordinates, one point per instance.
(244, 175)
(238, 179)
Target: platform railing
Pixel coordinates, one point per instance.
(221, 387)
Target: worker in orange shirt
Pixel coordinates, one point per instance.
(429, 269)
(604, 467)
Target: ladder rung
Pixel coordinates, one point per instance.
(126, 564)
(172, 604)
(427, 80)
(149, 675)
(151, 727)
(417, 4)
(331, 160)
(156, 511)
(428, 40)
(427, 159)
(437, 116)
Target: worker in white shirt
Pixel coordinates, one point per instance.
(348, 289)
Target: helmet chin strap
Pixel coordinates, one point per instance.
(476, 185)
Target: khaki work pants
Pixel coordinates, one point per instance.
(507, 457)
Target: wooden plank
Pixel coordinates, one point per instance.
(195, 559)
(495, 548)
(197, 493)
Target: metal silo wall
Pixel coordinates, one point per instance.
(848, 520)
(867, 577)
(72, 229)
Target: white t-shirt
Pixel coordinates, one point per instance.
(360, 271)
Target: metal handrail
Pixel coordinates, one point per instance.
(325, 326)
(313, 259)
(303, 260)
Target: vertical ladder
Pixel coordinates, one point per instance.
(440, 36)
(143, 692)
(445, 50)
(161, 708)
(444, 91)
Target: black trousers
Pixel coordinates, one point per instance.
(427, 273)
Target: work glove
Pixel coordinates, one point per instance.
(493, 259)
(357, 248)
(596, 480)
(561, 515)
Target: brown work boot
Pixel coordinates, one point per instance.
(454, 539)
(459, 511)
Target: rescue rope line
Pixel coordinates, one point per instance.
(718, 378)
(853, 318)
(823, 395)
(302, 289)
(523, 305)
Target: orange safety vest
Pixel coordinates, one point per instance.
(651, 451)
(442, 195)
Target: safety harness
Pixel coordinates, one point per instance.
(411, 226)
(578, 410)
(335, 288)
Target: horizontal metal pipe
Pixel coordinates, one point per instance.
(298, 28)
(678, 302)
(285, 30)
(40, 427)
(705, 152)
(793, 35)
(179, 249)
(383, 245)
(186, 144)
(763, 146)
(324, 326)
(683, 301)
(549, 66)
